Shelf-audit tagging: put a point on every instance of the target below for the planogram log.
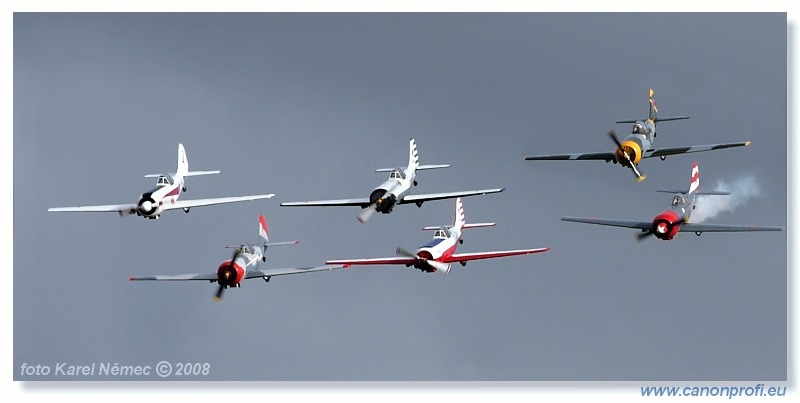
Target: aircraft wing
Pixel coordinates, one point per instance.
(179, 277)
(341, 202)
(465, 257)
(642, 225)
(581, 156)
(110, 208)
(209, 202)
(382, 260)
(692, 227)
(663, 152)
(448, 195)
(289, 270)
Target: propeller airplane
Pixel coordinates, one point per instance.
(639, 144)
(395, 190)
(164, 196)
(438, 254)
(669, 222)
(242, 265)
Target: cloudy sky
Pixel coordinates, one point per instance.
(308, 105)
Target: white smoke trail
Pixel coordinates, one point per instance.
(742, 190)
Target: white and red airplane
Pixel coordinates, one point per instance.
(165, 195)
(243, 265)
(395, 190)
(676, 219)
(438, 254)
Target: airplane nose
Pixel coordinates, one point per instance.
(146, 205)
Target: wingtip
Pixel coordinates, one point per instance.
(132, 279)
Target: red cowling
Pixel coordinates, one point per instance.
(229, 274)
(666, 225)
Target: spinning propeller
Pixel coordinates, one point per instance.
(226, 274)
(439, 266)
(640, 236)
(367, 212)
(639, 176)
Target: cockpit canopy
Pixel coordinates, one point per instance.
(678, 200)
(441, 233)
(638, 128)
(397, 175)
(163, 180)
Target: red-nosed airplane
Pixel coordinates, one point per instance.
(165, 195)
(639, 144)
(439, 253)
(395, 190)
(669, 222)
(243, 265)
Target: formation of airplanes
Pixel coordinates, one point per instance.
(639, 144)
(395, 190)
(669, 222)
(165, 195)
(438, 254)
(243, 265)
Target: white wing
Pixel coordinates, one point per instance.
(448, 195)
(115, 208)
(209, 202)
(342, 202)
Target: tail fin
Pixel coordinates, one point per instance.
(183, 164)
(459, 220)
(413, 158)
(695, 184)
(653, 109)
(263, 230)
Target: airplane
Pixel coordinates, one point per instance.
(243, 265)
(676, 219)
(639, 144)
(164, 196)
(395, 190)
(438, 254)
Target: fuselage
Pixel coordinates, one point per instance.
(231, 272)
(167, 191)
(640, 139)
(389, 193)
(443, 245)
(667, 224)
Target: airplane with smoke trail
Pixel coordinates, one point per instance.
(639, 144)
(676, 219)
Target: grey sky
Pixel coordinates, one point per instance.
(308, 105)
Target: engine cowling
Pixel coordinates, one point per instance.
(229, 274)
(666, 225)
(634, 151)
(147, 205)
(382, 204)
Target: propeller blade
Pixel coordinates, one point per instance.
(218, 295)
(639, 176)
(641, 236)
(366, 213)
(439, 266)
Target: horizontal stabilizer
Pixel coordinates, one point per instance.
(657, 120)
(193, 173)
